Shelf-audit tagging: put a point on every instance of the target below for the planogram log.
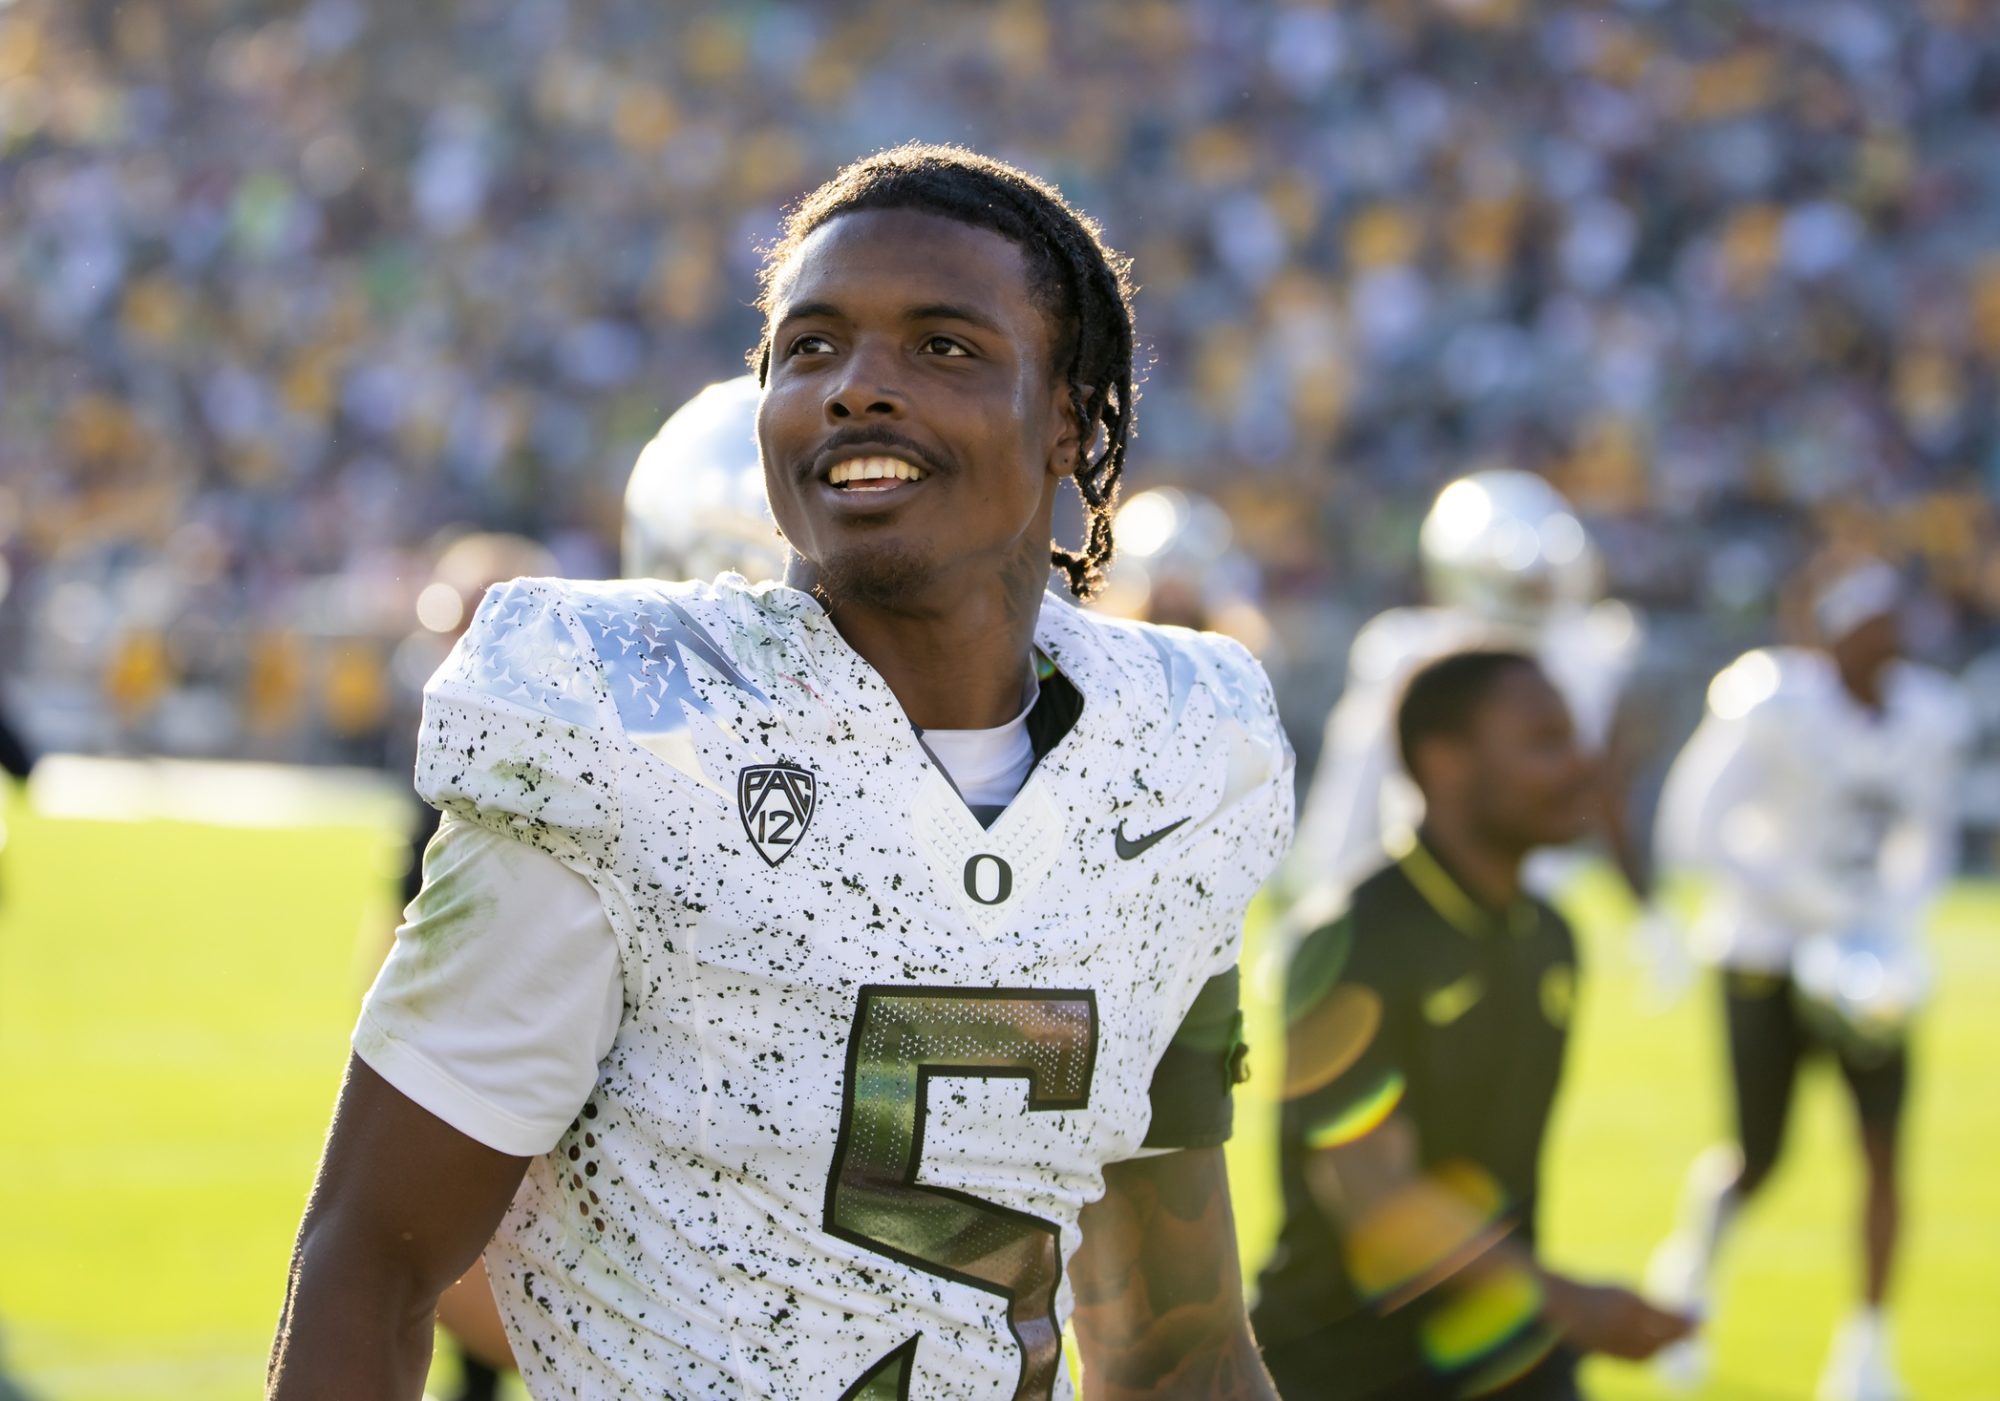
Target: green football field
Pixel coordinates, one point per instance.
(175, 998)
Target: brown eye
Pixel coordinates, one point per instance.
(944, 345)
(810, 345)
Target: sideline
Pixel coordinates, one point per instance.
(219, 793)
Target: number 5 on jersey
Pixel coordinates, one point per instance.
(903, 1038)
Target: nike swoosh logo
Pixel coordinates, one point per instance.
(1452, 1001)
(1129, 850)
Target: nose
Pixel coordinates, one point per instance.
(864, 390)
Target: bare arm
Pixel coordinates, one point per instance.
(1159, 1291)
(403, 1205)
(1410, 1232)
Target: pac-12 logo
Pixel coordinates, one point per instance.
(776, 801)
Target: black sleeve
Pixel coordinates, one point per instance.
(1346, 1033)
(14, 756)
(1192, 1107)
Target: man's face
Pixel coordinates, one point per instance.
(1528, 781)
(1867, 649)
(911, 426)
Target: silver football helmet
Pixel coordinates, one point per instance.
(695, 505)
(1506, 546)
(1177, 562)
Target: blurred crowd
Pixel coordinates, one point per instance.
(289, 292)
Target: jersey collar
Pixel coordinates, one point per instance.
(1454, 904)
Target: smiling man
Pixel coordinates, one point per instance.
(832, 984)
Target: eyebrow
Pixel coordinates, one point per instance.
(930, 311)
(805, 310)
(952, 311)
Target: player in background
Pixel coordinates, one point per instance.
(1178, 564)
(17, 762)
(1817, 799)
(694, 505)
(836, 977)
(1506, 563)
(1426, 1026)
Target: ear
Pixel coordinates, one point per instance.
(1065, 452)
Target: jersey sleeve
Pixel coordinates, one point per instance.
(1924, 854)
(1346, 1035)
(518, 732)
(1192, 1084)
(1252, 823)
(1723, 784)
(502, 994)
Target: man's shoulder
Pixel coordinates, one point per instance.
(1155, 666)
(1375, 930)
(722, 608)
(590, 651)
(1772, 684)
(1935, 701)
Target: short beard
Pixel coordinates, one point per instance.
(891, 577)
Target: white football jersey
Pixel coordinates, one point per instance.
(873, 1056)
(1360, 801)
(1809, 813)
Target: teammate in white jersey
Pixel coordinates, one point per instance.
(1817, 798)
(694, 505)
(1506, 563)
(825, 986)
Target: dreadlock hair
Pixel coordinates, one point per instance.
(1077, 278)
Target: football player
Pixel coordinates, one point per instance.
(1178, 563)
(1427, 1025)
(1506, 562)
(1817, 798)
(825, 987)
(694, 505)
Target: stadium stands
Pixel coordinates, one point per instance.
(284, 297)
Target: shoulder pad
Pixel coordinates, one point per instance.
(1394, 643)
(1761, 681)
(1614, 629)
(1223, 666)
(1259, 751)
(523, 650)
(516, 723)
(665, 650)
(1941, 701)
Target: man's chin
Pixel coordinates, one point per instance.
(1564, 832)
(882, 574)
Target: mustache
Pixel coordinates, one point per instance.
(881, 439)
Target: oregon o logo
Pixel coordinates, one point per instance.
(988, 879)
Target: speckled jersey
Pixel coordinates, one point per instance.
(874, 1055)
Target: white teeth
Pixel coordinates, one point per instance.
(868, 469)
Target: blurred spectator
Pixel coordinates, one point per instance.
(287, 290)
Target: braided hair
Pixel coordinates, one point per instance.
(1073, 274)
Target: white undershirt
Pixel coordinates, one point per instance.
(505, 989)
(987, 767)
